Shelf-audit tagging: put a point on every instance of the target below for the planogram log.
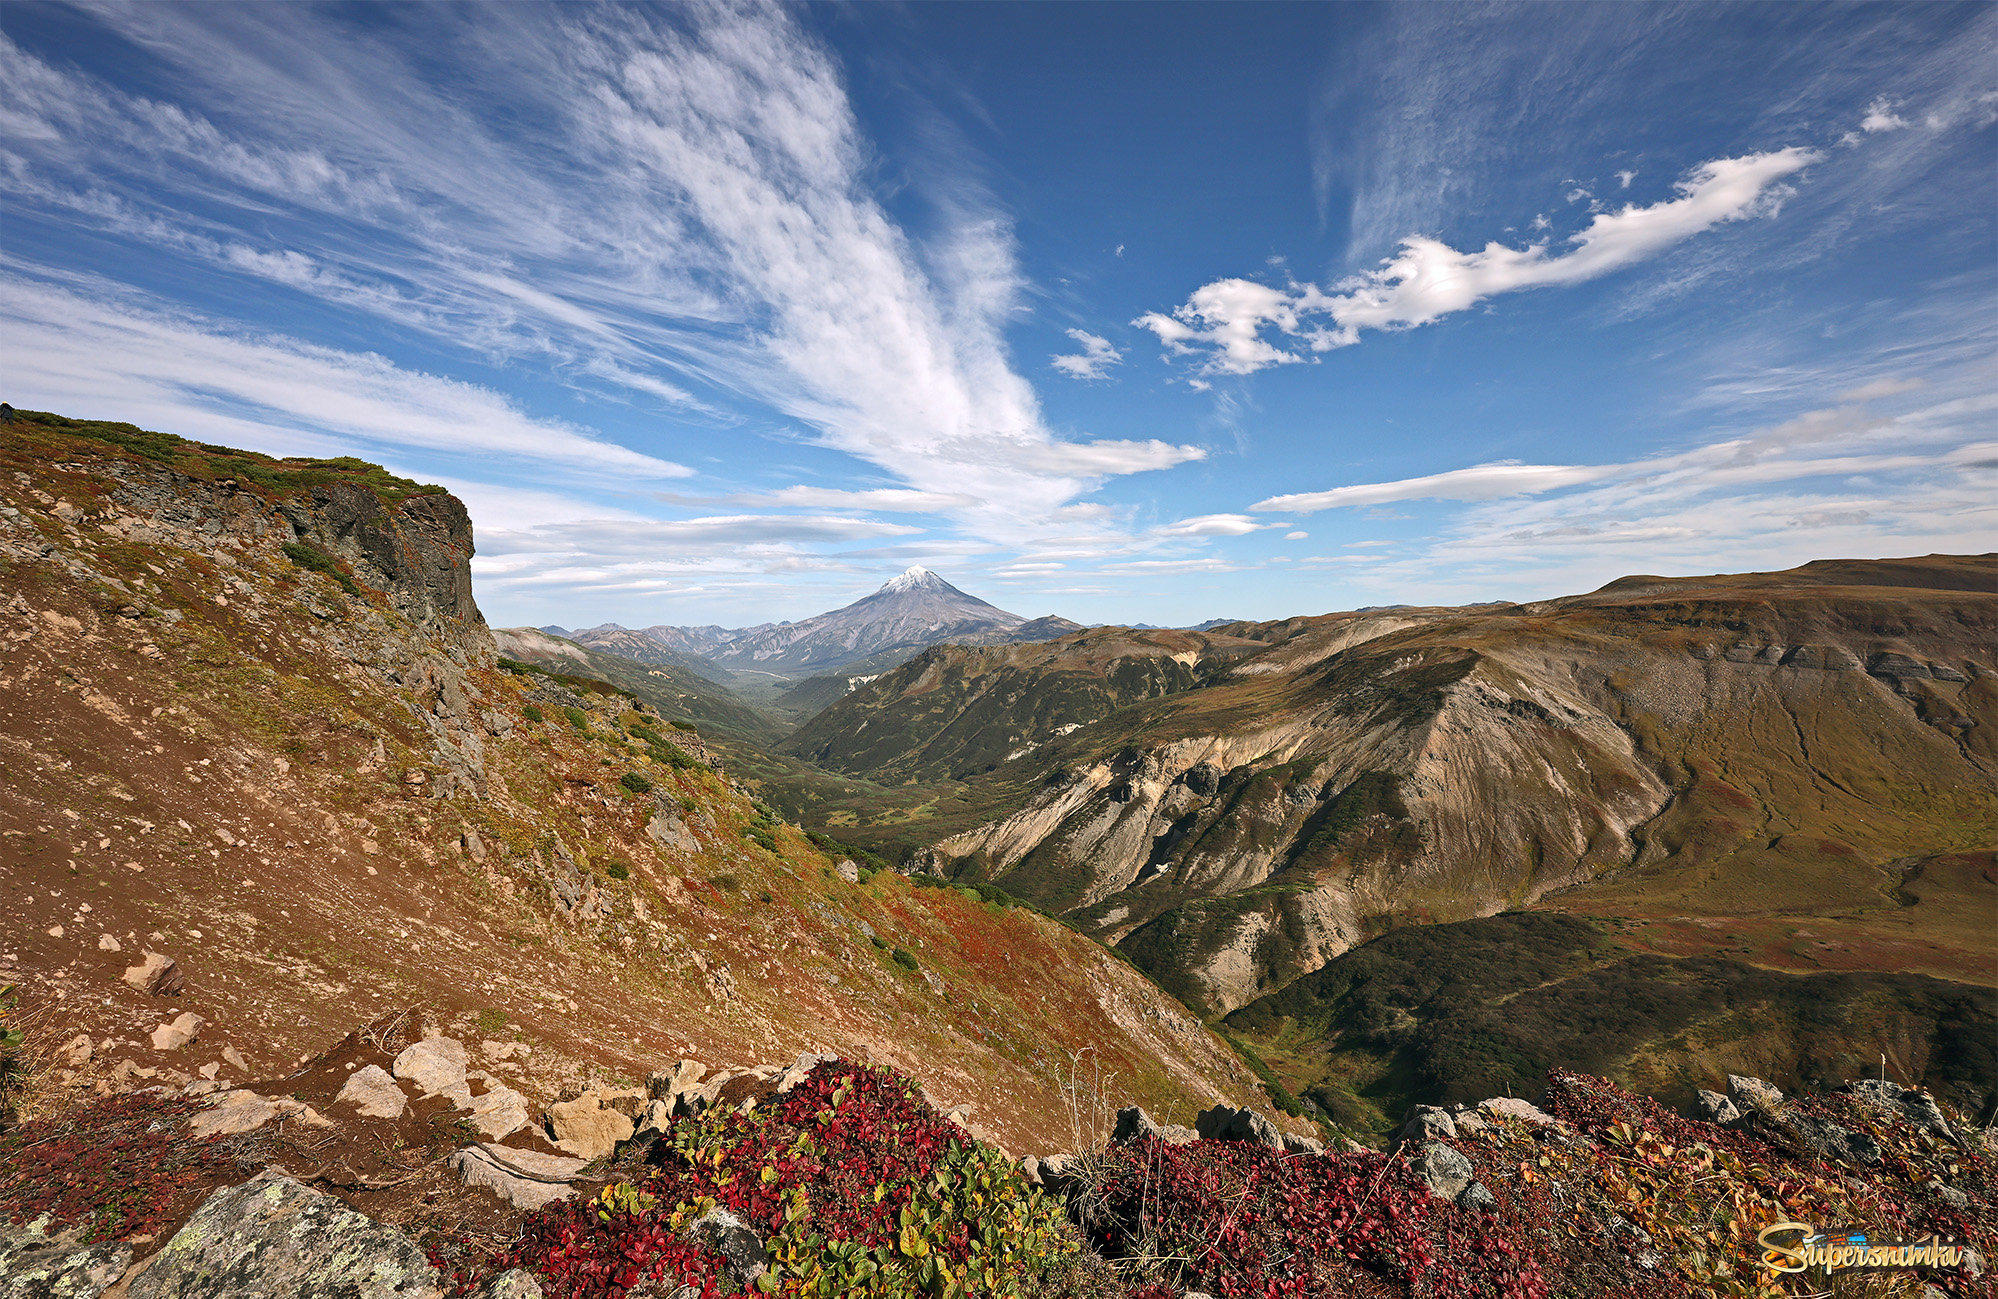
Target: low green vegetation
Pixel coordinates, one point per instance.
(318, 561)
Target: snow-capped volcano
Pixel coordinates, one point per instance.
(911, 611)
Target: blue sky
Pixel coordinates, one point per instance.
(1123, 312)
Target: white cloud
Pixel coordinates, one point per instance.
(1095, 358)
(1215, 525)
(679, 204)
(900, 500)
(1478, 483)
(1224, 321)
(1295, 536)
(1623, 179)
(119, 358)
(1880, 116)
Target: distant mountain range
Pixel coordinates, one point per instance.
(907, 615)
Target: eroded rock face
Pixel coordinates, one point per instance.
(272, 1236)
(37, 1265)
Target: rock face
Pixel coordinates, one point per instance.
(36, 1265)
(418, 550)
(1133, 1122)
(272, 1236)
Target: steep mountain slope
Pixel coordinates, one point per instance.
(1766, 748)
(253, 723)
(953, 712)
(909, 612)
(674, 691)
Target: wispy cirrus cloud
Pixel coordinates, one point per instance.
(1224, 322)
(676, 206)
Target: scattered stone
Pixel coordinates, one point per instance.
(234, 1059)
(1296, 1145)
(373, 1093)
(109, 943)
(1226, 1123)
(526, 1179)
(436, 1066)
(156, 976)
(77, 1051)
(1712, 1107)
(36, 1265)
(1477, 1199)
(174, 1036)
(272, 1236)
(240, 1111)
(849, 870)
(585, 1128)
(1427, 1123)
(1444, 1170)
(743, 1256)
(669, 1084)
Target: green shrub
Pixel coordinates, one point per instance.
(636, 783)
(727, 881)
(617, 870)
(531, 713)
(318, 561)
(879, 942)
(669, 755)
(577, 717)
(492, 1021)
(904, 958)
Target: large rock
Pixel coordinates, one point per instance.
(174, 1036)
(156, 976)
(586, 1128)
(1427, 1123)
(37, 1265)
(498, 1112)
(436, 1067)
(1712, 1107)
(1916, 1108)
(1226, 1123)
(510, 1284)
(526, 1179)
(741, 1248)
(1133, 1122)
(272, 1236)
(1512, 1107)
(235, 1112)
(373, 1093)
(1446, 1172)
(1835, 1142)
(1753, 1096)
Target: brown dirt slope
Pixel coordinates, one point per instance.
(251, 720)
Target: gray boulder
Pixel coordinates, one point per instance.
(1133, 1122)
(37, 1265)
(1712, 1107)
(1836, 1143)
(1226, 1123)
(1476, 1198)
(741, 1248)
(272, 1236)
(1428, 1123)
(1443, 1170)
(1753, 1096)
(1916, 1108)
(1296, 1145)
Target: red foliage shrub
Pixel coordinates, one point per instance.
(121, 1167)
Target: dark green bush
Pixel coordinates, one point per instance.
(905, 958)
(577, 717)
(531, 713)
(636, 783)
(617, 869)
(318, 561)
(727, 881)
